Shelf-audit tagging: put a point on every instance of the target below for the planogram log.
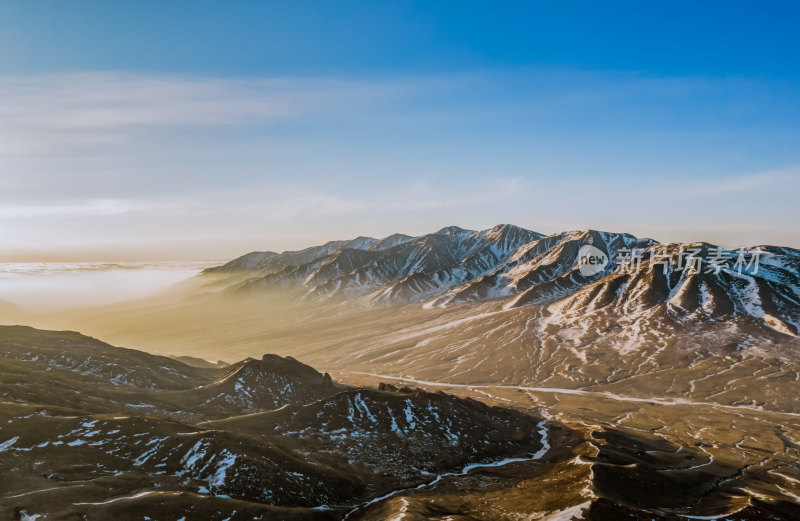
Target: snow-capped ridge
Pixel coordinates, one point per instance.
(524, 268)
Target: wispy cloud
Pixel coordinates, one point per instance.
(784, 179)
(87, 208)
(40, 114)
(289, 203)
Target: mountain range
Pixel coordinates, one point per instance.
(496, 374)
(523, 268)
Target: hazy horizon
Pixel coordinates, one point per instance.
(59, 286)
(726, 238)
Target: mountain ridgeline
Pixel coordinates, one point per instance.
(524, 268)
(91, 431)
(95, 432)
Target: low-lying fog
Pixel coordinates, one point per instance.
(57, 286)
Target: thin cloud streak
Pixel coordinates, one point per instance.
(40, 114)
(91, 208)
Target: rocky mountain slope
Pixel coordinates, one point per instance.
(124, 439)
(523, 268)
(312, 449)
(395, 269)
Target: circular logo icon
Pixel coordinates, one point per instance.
(591, 260)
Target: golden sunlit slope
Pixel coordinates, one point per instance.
(647, 354)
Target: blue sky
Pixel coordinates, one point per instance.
(182, 130)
